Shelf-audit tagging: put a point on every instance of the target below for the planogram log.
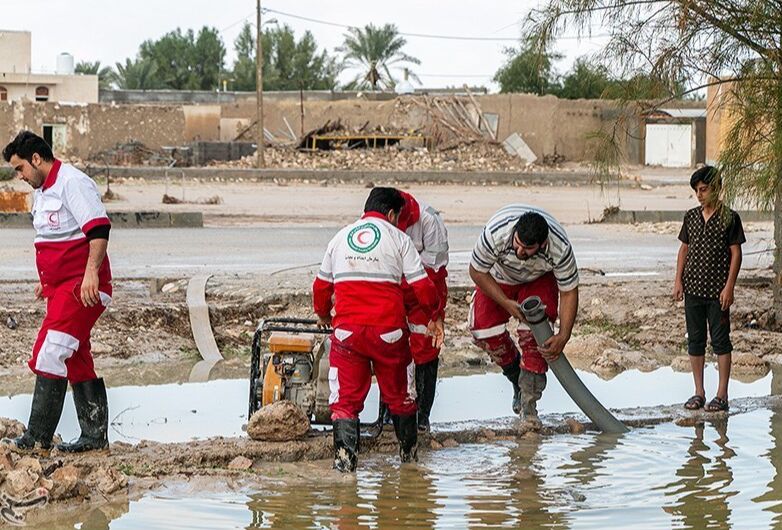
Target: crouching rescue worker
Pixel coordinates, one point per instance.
(71, 237)
(426, 228)
(523, 251)
(363, 270)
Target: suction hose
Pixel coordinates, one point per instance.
(535, 313)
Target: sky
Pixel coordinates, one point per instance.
(109, 31)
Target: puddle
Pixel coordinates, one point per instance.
(181, 412)
(725, 475)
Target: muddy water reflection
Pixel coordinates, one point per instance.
(715, 475)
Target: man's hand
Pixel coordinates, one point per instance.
(38, 291)
(512, 307)
(678, 291)
(89, 288)
(553, 347)
(726, 298)
(324, 321)
(436, 329)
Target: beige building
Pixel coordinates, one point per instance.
(18, 82)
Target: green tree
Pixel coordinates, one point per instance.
(585, 81)
(730, 44)
(528, 69)
(138, 74)
(288, 64)
(244, 72)
(105, 74)
(186, 61)
(373, 51)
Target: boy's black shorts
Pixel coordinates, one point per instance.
(699, 312)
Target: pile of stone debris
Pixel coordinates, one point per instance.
(28, 482)
(479, 156)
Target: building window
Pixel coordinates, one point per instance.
(41, 94)
(3, 94)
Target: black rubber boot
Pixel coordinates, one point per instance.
(425, 386)
(512, 371)
(45, 411)
(92, 409)
(346, 436)
(407, 434)
(532, 386)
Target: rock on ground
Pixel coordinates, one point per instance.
(590, 346)
(241, 463)
(107, 480)
(681, 364)
(278, 422)
(65, 479)
(615, 361)
(748, 367)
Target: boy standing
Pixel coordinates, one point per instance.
(706, 270)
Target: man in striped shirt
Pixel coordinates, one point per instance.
(523, 251)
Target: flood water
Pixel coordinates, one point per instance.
(183, 412)
(715, 475)
(724, 475)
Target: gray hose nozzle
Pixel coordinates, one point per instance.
(535, 313)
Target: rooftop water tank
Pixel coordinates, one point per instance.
(64, 64)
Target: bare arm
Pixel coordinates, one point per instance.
(678, 288)
(726, 296)
(90, 283)
(491, 288)
(568, 309)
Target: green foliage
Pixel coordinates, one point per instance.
(244, 71)
(373, 51)
(105, 74)
(528, 69)
(288, 64)
(730, 45)
(6, 173)
(178, 60)
(138, 74)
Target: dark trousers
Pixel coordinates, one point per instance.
(700, 312)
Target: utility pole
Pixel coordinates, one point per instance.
(259, 87)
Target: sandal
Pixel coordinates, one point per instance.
(717, 405)
(695, 402)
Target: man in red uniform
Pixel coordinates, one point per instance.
(426, 228)
(363, 270)
(71, 237)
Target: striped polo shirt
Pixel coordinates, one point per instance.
(494, 251)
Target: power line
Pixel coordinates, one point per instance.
(418, 35)
(423, 35)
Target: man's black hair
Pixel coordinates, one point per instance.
(531, 229)
(25, 145)
(384, 200)
(707, 174)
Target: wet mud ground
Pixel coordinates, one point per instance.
(144, 338)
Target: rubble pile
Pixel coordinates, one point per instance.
(467, 157)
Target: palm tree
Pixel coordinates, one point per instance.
(106, 75)
(373, 50)
(137, 75)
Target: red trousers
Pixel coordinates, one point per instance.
(420, 342)
(62, 348)
(357, 351)
(488, 323)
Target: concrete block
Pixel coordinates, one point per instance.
(123, 220)
(515, 145)
(187, 219)
(153, 219)
(16, 220)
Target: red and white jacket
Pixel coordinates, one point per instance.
(65, 208)
(427, 230)
(363, 270)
